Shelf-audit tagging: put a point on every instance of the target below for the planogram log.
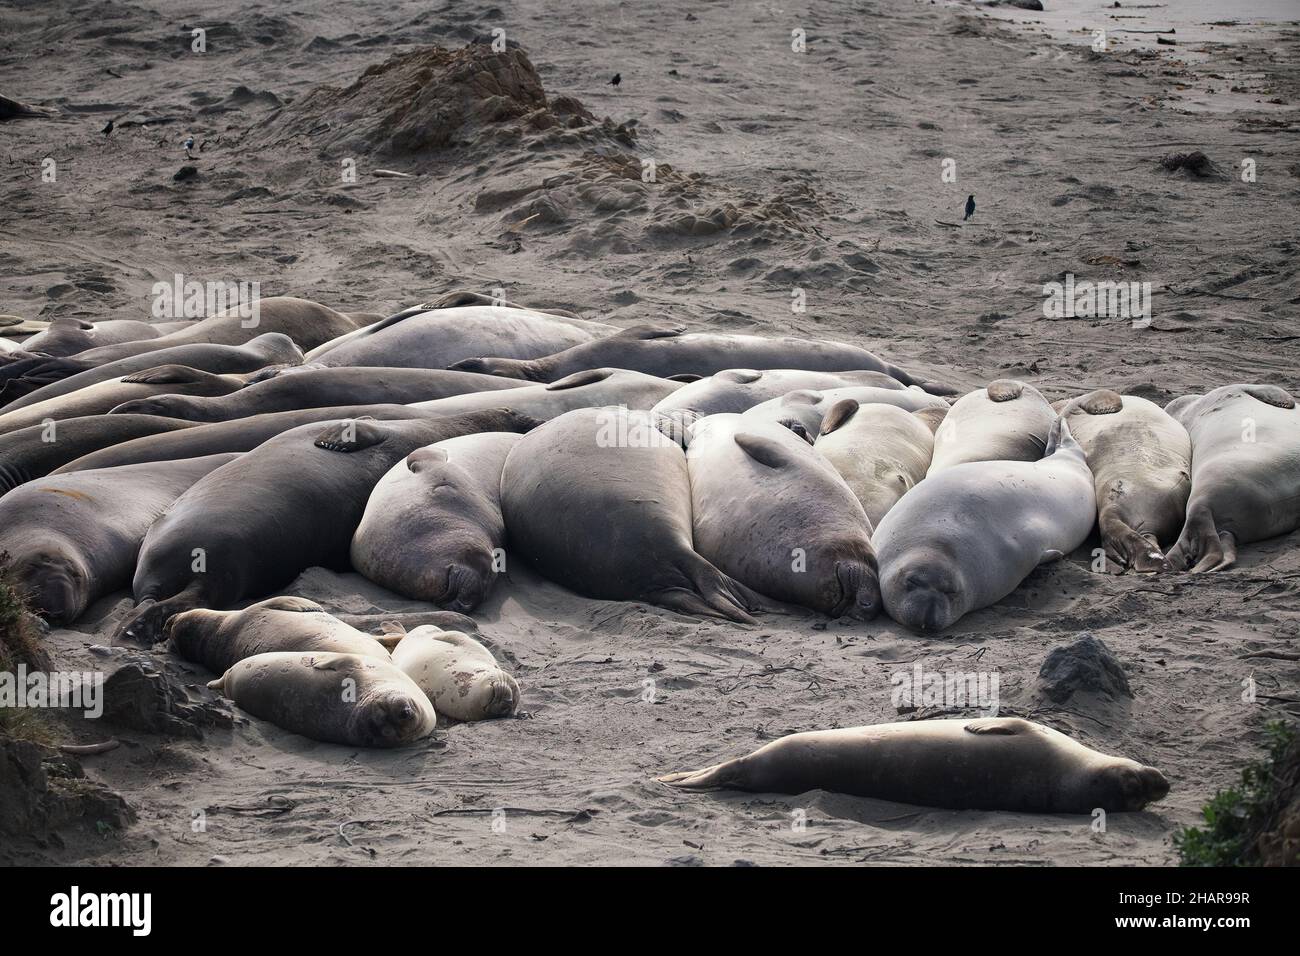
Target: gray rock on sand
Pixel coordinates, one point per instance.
(1086, 666)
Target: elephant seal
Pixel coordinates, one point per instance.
(74, 538)
(967, 536)
(290, 504)
(306, 387)
(1008, 421)
(771, 512)
(808, 407)
(221, 639)
(588, 389)
(990, 763)
(460, 675)
(15, 326)
(100, 398)
(55, 377)
(674, 351)
(1141, 462)
(881, 452)
(35, 451)
(350, 699)
(599, 500)
(308, 324)
(740, 389)
(66, 336)
(1245, 472)
(432, 528)
(435, 338)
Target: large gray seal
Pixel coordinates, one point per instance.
(1245, 472)
(72, 539)
(588, 389)
(771, 512)
(67, 336)
(740, 389)
(1141, 461)
(290, 504)
(435, 338)
(37, 450)
(100, 398)
(599, 500)
(990, 763)
(881, 451)
(1008, 421)
(62, 377)
(674, 351)
(307, 387)
(967, 536)
(308, 324)
(350, 699)
(432, 528)
(221, 639)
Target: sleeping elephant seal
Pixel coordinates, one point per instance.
(432, 529)
(290, 504)
(35, 451)
(67, 336)
(221, 639)
(1141, 461)
(435, 338)
(674, 351)
(990, 763)
(98, 399)
(350, 699)
(807, 407)
(740, 389)
(74, 538)
(967, 536)
(306, 387)
(55, 377)
(598, 500)
(771, 512)
(587, 389)
(1008, 421)
(307, 323)
(881, 452)
(1245, 472)
(460, 675)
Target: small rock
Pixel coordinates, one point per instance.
(186, 173)
(139, 696)
(1087, 665)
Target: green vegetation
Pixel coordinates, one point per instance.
(20, 643)
(1242, 823)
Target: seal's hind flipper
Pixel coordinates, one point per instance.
(1202, 547)
(710, 778)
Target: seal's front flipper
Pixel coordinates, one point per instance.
(352, 435)
(1050, 555)
(145, 625)
(287, 602)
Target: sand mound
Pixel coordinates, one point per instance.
(428, 99)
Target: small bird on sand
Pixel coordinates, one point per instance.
(970, 208)
(618, 78)
(189, 146)
(107, 129)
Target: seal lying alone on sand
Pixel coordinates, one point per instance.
(992, 763)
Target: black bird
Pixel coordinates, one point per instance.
(618, 78)
(970, 208)
(107, 129)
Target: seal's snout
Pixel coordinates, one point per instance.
(465, 588)
(504, 696)
(479, 365)
(1157, 785)
(860, 586)
(55, 587)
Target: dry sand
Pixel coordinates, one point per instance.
(824, 168)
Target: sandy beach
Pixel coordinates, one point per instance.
(836, 177)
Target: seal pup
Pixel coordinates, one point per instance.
(966, 537)
(599, 500)
(1141, 461)
(250, 527)
(1008, 421)
(991, 763)
(1245, 472)
(221, 639)
(740, 389)
(460, 675)
(307, 387)
(432, 528)
(98, 399)
(881, 452)
(74, 538)
(807, 407)
(674, 351)
(771, 512)
(351, 699)
(35, 451)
